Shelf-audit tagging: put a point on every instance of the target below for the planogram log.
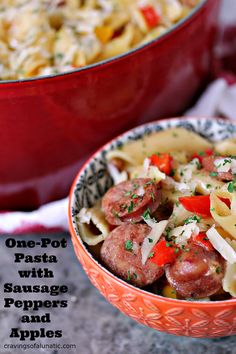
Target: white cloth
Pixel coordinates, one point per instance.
(219, 99)
(49, 217)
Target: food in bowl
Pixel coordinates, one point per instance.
(39, 38)
(168, 222)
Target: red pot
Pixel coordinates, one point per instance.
(50, 125)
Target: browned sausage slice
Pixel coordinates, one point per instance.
(196, 273)
(127, 201)
(208, 165)
(121, 253)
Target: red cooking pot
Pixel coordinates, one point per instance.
(49, 125)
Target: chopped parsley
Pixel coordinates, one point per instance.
(199, 166)
(153, 197)
(130, 207)
(191, 219)
(146, 214)
(129, 245)
(127, 193)
(150, 240)
(151, 255)
(172, 172)
(218, 269)
(135, 276)
(231, 187)
(133, 196)
(176, 249)
(116, 215)
(148, 183)
(168, 244)
(167, 233)
(128, 275)
(213, 174)
(208, 185)
(212, 209)
(226, 161)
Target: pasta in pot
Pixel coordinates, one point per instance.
(46, 37)
(170, 214)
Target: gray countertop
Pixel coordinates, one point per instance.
(90, 322)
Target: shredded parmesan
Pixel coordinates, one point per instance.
(170, 183)
(222, 246)
(140, 191)
(157, 229)
(183, 233)
(186, 171)
(225, 164)
(116, 175)
(152, 172)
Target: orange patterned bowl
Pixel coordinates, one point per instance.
(180, 317)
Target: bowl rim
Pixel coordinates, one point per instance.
(194, 12)
(122, 283)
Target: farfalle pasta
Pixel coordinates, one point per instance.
(170, 216)
(45, 37)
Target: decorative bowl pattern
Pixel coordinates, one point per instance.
(196, 319)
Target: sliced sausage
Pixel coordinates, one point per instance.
(208, 165)
(121, 253)
(127, 201)
(196, 273)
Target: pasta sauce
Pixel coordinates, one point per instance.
(168, 224)
(46, 37)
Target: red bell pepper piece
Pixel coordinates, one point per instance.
(199, 204)
(200, 156)
(163, 253)
(163, 162)
(151, 16)
(226, 201)
(202, 240)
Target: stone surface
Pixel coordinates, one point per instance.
(90, 321)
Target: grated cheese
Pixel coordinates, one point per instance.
(183, 233)
(157, 229)
(222, 246)
(116, 175)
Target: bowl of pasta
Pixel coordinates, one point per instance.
(153, 222)
(75, 73)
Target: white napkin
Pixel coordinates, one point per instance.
(50, 217)
(219, 99)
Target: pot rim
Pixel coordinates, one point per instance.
(108, 61)
(120, 282)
